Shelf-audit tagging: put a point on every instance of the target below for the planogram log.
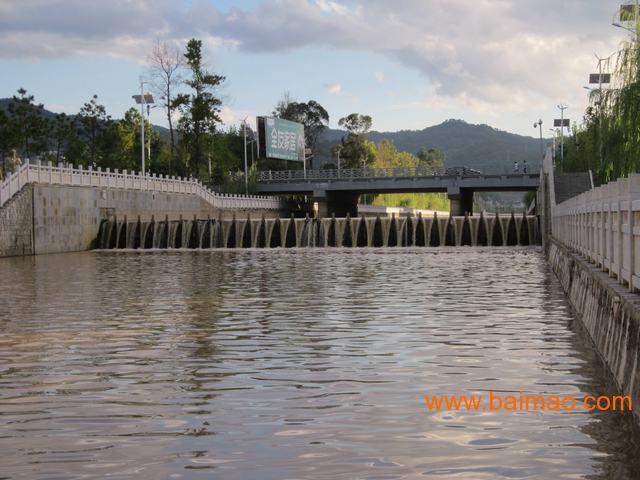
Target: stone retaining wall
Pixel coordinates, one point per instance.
(609, 312)
(16, 222)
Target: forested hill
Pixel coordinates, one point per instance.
(476, 146)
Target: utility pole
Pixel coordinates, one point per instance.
(562, 109)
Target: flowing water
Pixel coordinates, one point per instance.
(283, 364)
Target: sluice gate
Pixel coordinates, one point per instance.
(498, 230)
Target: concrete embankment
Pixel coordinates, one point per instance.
(608, 311)
(55, 218)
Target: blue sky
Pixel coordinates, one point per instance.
(408, 63)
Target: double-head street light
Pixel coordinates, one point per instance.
(538, 124)
(142, 100)
(562, 123)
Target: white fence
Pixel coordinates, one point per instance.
(603, 224)
(48, 174)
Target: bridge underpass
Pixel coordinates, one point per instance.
(337, 191)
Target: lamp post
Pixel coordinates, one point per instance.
(149, 107)
(562, 109)
(246, 170)
(552, 130)
(142, 99)
(635, 30)
(538, 124)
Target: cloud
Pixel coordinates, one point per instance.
(230, 117)
(511, 54)
(334, 89)
(379, 76)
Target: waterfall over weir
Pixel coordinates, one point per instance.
(504, 230)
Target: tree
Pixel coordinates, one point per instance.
(388, 156)
(432, 160)
(167, 63)
(94, 126)
(64, 136)
(7, 140)
(199, 109)
(312, 115)
(127, 133)
(356, 150)
(283, 104)
(29, 125)
(356, 124)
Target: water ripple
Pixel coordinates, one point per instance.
(295, 364)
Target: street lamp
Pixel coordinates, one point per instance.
(142, 100)
(149, 107)
(628, 13)
(246, 170)
(536, 125)
(563, 122)
(553, 138)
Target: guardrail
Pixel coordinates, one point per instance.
(603, 224)
(364, 173)
(48, 174)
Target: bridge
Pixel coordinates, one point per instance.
(337, 191)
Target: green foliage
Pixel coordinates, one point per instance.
(235, 183)
(95, 130)
(65, 142)
(355, 150)
(431, 159)
(387, 157)
(200, 110)
(29, 127)
(608, 142)
(356, 124)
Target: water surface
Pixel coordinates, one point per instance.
(295, 364)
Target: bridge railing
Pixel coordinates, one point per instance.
(603, 224)
(48, 174)
(364, 173)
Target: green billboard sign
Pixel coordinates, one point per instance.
(283, 139)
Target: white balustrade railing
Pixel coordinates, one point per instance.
(603, 224)
(48, 174)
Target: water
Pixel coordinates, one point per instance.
(295, 363)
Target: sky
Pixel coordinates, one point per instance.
(409, 64)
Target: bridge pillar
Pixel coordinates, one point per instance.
(338, 203)
(461, 201)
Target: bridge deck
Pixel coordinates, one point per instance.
(388, 181)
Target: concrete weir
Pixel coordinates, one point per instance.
(325, 232)
(608, 311)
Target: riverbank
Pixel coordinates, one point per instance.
(608, 311)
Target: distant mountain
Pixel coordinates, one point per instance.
(476, 146)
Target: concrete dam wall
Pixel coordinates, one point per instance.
(42, 218)
(326, 232)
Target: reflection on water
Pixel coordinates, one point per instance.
(294, 364)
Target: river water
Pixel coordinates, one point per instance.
(295, 364)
